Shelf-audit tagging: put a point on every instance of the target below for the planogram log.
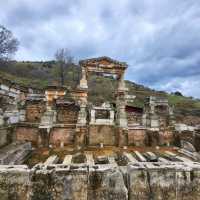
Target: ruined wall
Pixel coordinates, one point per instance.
(34, 112)
(143, 137)
(164, 183)
(186, 135)
(41, 137)
(67, 115)
(102, 134)
(5, 136)
(65, 135)
(102, 182)
(14, 183)
(157, 138)
(134, 118)
(192, 137)
(166, 137)
(30, 134)
(137, 137)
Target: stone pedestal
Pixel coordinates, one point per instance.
(121, 113)
(83, 84)
(82, 116)
(83, 81)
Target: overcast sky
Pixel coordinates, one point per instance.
(159, 39)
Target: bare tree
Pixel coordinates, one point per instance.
(8, 43)
(64, 60)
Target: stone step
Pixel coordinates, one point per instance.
(20, 157)
(112, 161)
(129, 157)
(189, 154)
(15, 153)
(171, 156)
(67, 160)
(90, 159)
(151, 157)
(170, 153)
(179, 158)
(184, 159)
(51, 160)
(140, 156)
(160, 159)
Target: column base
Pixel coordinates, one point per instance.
(122, 136)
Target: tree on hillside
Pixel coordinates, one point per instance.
(177, 93)
(8, 44)
(64, 60)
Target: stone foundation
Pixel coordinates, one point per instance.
(135, 181)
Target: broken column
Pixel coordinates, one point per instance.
(83, 81)
(81, 126)
(121, 119)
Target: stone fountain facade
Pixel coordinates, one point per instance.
(167, 167)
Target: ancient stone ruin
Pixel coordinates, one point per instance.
(55, 144)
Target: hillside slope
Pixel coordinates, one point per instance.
(41, 74)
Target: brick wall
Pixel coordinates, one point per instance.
(34, 112)
(166, 137)
(67, 115)
(65, 135)
(134, 118)
(102, 134)
(27, 134)
(137, 137)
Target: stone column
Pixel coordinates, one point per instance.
(152, 108)
(82, 115)
(81, 128)
(112, 116)
(122, 120)
(121, 83)
(92, 115)
(83, 81)
(1, 120)
(172, 120)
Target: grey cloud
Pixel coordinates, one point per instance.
(158, 39)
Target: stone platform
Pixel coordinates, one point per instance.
(125, 175)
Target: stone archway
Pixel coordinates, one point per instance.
(106, 65)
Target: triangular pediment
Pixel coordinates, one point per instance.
(103, 61)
